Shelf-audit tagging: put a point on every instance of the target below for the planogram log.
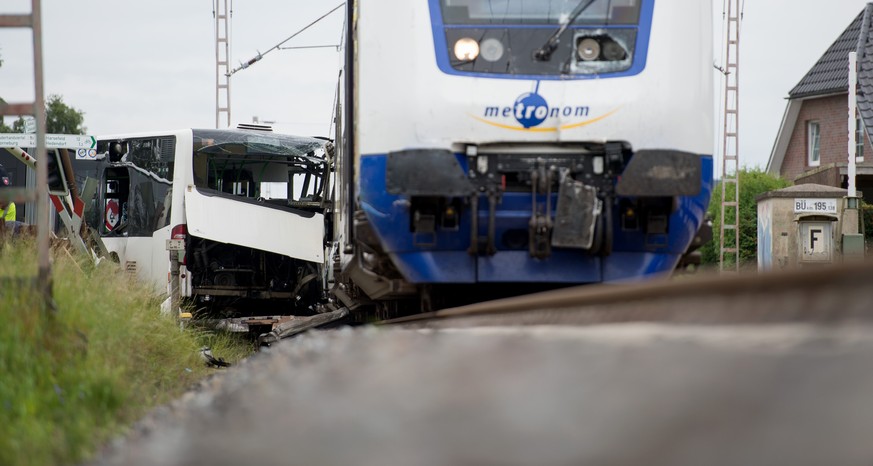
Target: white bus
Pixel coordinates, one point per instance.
(220, 217)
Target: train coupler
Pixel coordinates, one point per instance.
(488, 244)
(540, 224)
(540, 229)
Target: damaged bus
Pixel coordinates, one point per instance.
(220, 218)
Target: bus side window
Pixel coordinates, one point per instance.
(238, 182)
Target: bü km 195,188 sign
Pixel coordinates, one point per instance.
(815, 206)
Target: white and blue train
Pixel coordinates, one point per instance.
(519, 142)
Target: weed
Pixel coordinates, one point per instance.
(70, 380)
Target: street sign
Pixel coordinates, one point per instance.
(70, 141)
(17, 140)
(52, 141)
(29, 125)
(86, 154)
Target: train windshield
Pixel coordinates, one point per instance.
(600, 12)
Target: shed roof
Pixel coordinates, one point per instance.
(805, 190)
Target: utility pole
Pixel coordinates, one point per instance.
(222, 61)
(33, 21)
(729, 234)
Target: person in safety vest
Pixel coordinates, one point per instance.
(7, 209)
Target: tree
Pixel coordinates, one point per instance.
(60, 118)
(753, 182)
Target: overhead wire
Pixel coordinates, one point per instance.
(259, 56)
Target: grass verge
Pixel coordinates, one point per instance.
(70, 380)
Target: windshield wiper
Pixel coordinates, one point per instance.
(544, 53)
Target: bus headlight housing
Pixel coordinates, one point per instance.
(466, 49)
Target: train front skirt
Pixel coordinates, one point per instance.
(495, 236)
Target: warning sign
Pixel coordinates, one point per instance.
(112, 215)
(816, 241)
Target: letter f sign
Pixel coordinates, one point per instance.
(814, 234)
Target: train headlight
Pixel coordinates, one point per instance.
(466, 49)
(492, 49)
(612, 51)
(588, 49)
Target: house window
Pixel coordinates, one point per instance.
(859, 140)
(814, 133)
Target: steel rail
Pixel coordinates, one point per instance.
(847, 282)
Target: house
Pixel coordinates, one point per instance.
(812, 143)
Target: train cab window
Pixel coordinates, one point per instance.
(541, 12)
(602, 38)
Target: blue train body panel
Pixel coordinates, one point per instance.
(442, 257)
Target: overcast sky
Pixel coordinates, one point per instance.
(150, 65)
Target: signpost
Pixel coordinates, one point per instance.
(30, 125)
(52, 141)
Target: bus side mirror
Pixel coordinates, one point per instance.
(117, 150)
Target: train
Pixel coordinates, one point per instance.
(502, 146)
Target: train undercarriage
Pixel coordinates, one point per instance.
(559, 215)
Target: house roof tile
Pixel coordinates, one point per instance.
(830, 73)
(864, 93)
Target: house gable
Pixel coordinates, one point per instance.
(822, 93)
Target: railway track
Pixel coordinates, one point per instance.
(832, 294)
(787, 385)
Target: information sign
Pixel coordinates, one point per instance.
(815, 206)
(52, 141)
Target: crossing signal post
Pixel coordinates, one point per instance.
(55, 176)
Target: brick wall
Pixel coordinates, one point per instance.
(831, 114)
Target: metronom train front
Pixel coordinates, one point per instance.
(510, 144)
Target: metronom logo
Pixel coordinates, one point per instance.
(532, 111)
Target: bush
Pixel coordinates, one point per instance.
(753, 182)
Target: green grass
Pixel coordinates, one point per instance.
(70, 380)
